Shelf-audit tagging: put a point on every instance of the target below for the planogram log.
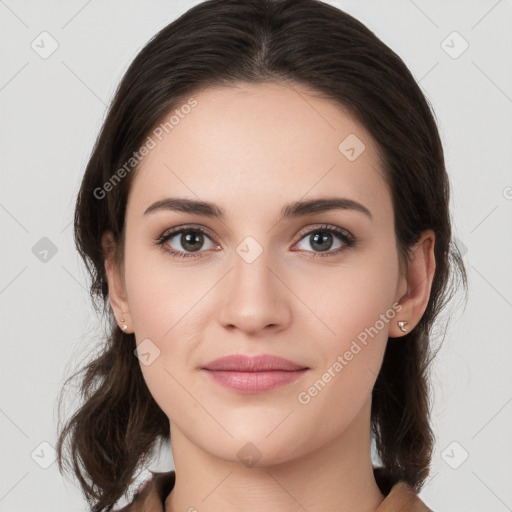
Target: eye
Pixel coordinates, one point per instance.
(184, 242)
(187, 241)
(323, 240)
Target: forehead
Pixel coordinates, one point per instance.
(248, 142)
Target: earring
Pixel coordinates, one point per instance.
(122, 318)
(401, 325)
(124, 325)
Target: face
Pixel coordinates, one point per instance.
(316, 286)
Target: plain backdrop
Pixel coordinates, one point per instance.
(51, 109)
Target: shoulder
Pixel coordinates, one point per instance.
(151, 494)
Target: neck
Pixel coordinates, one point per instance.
(337, 476)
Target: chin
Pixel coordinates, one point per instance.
(257, 448)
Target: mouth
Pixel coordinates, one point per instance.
(255, 374)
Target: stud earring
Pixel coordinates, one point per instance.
(124, 325)
(401, 325)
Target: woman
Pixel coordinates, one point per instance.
(266, 216)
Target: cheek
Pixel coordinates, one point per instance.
(165, 306)
(353, 298)
(351, 355)
(356, 305)
(160, 294)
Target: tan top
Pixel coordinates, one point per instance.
(151, 497)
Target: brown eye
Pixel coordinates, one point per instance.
(184, 242)
(191, 240)
(322, 240)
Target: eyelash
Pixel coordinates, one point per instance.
(347, 238)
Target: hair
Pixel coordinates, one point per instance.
(291, 42)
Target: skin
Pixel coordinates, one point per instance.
(252, 149)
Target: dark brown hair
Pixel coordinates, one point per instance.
(225, 42)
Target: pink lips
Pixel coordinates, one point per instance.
(253, 374)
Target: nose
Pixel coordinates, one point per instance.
(254, 297)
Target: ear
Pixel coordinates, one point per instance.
(115, 279)
(414, 287)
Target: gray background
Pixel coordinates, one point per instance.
(51, 111)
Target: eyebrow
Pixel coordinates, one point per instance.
(292, 210)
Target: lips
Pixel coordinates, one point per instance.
(262, 363)
(246, 374)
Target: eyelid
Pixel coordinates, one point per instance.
(184, 227)
(328, 227)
